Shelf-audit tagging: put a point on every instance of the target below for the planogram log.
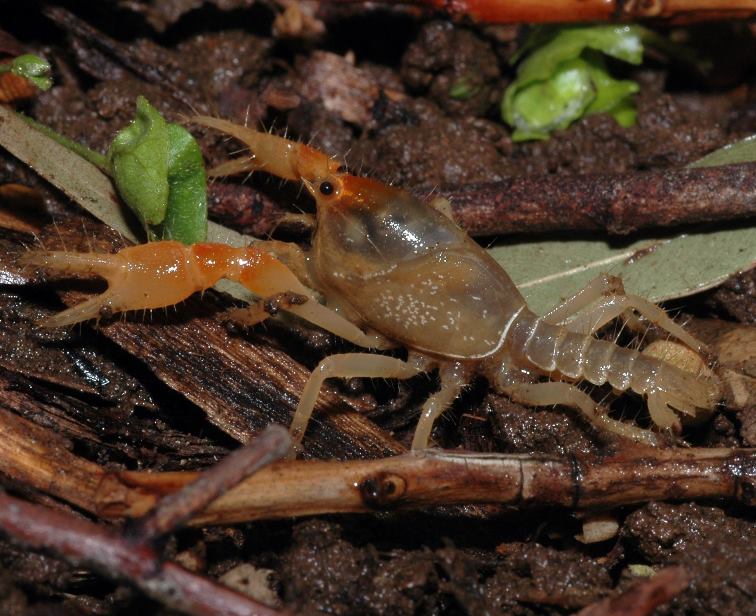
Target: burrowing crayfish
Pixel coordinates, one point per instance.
(404, 272)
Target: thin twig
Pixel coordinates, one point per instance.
(615, 203)
(619, 204)
(175, 509)
(545, 11)
(79, 541)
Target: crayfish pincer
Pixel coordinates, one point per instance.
(400, 272)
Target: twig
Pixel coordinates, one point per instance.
(127, 55)
(619, 204)
(79, 541)
(642, 598)
(434, 478)
(615, 203)
(132, 557)
(552, 11)
(175, 509)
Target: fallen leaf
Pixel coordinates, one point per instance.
(658, 267)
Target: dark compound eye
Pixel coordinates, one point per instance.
(326, 188)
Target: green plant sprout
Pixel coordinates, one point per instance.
(156, 166)
(565, 77)
(158, 170)
(31, 67)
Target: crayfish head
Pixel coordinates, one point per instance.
(349, 194)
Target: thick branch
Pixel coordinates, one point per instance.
(433, 478)
(619, 204)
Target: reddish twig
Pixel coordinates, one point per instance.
(78, 541)
(175, 509)
(642, 598)
(619, 204)
(552, 11)
(133, 557)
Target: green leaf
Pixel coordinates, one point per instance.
(613, 96)
(186, 214)
(566, 77)
(158, 170)
(78, 178)
(31, 67)
(743, 151)
(552, 104)
(139, 162)
(463, 90)
(658, 267)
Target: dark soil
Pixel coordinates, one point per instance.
(388, 111)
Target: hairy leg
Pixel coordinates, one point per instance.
(613, 303)
(546, 394)
(453, 378)
(346, 365)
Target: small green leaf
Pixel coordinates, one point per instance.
(158, 170)
(613, 96)
(139, 162)
(463, 90)
(31, 67)
(566, 77)
(186, 214)
(552, 104)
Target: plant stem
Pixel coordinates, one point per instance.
(98, 160)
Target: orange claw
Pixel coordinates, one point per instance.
(162, 274)
(278, 156)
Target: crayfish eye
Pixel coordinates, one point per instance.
(326, 188)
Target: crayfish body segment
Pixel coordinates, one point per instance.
(402, 270)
